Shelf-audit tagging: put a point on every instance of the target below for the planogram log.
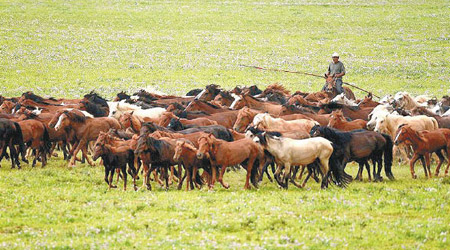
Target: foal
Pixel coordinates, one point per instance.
(425, 143)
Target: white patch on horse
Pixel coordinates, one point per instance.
(200, 94)
(60, 119)
(236, 99)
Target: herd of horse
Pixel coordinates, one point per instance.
(199, 136)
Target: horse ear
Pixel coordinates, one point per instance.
(325, 74)
(131, 113)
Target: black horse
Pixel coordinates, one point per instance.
(10, 136)
(360, 146)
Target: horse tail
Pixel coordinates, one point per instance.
(388, 156)
(337, 169)
(18, 139)
(46, 140)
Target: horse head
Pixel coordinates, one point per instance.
(206, 146)
(244, 119)
(404, 131)
(238, 102)
(175, 124)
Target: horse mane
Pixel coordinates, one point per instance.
(35, 98)
(276, 88)
(214, 88)
(209, 104)
(335, 136)
(96, 98)
(226, 94)
(335, 105)
(75, 116)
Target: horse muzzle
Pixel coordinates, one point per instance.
(200, 155)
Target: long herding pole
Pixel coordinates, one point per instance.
(304, 73)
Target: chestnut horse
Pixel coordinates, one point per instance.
(254, 103)
(85, 129)
(338, 121)
(186, 153)
(165, 118)
(424, 143)
(223, 154)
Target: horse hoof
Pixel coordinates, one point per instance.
(113, 186)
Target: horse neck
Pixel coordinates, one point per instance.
(135, 124)
(274, 146)
(415, 138)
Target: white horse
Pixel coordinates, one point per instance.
(342, 99)
(379, 111)
(405, 101)
(266, 122)
(123, 107)
(290, 152)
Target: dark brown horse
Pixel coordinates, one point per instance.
(10, 136)
(36, 137)
(360, 146)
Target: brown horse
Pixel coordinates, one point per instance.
(323, 119)
(300, 100)
(338, 121)
(224, 99)
(85, 129)
(186, 153)
(36, 136)
(7, 107)
(223, 154)
(166, 117)
(208, 108)
(348, 111)
(116, 158)
(331, 88)
(424, 143)
(254, 103)
(368, 102)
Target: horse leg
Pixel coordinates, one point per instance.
(411, 165)
(84, 151)
(307, 178)
(222, 172)
(124, 173)
(367, 165)
(422, 159)
(441, 160)
(448, 159)
(250, 163)
(74, 154)
(213, 176)
(428, 163)
(360, 171)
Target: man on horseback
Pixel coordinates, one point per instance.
(336, 69)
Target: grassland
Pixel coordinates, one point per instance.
(67, 48)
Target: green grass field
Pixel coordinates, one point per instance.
(68, 48)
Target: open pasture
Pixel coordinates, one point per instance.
(68, 48)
